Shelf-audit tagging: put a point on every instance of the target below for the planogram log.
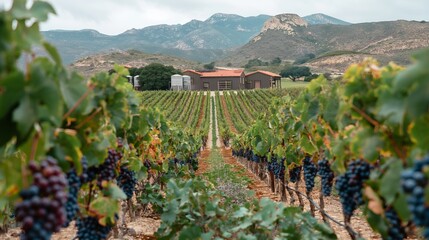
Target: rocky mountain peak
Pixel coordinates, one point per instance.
(285, 22)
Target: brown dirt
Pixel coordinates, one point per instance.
(227, 116)
(140, 228)
(201, 116)
(203, 164)
(332, 204)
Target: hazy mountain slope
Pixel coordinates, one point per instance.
(197, 40)
(320, 18)
(133, 58)
(382, 40)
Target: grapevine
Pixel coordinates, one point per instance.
(349, 186)
(414, 183)
(295, 174)
(72, 207)
(327, 176)
(42, 211)
(127, 181)
(310, 172)
(89, 228)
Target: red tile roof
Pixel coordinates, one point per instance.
(192, 71)
(264, 72)
(222, 73)
(218, 73)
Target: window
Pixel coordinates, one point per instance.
(242, 80)
(224, 85)
(206, 85)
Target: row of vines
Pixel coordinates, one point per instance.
(73, 149)
(187, 109)
(367, 137)
(97, 154)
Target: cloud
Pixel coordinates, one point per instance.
(114, 17)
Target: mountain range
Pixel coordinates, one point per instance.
(202, 41)
(334, 46)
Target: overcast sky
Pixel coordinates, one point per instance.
(116, 16)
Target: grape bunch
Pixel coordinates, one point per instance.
(148, 164)
(413, 183)
(42, 210)
(396, 231)
(310, 172)
(295, 174)
(88, 174)
(327, 176)
(255, 158)
(89, 228)
(127, 181)
(107, 170)
(277, 168)
(349, 186)
(72, 206)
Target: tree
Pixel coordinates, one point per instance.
(307, 57)
(311, 77)
(295, 72)
(156, 76)
(276, 61)
(209, 66)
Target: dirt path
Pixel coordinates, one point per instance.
(332, 204)
(227, 116)
(260, 188)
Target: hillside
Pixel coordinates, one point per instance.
(202, 41)
(196, 40)
(289, 37)
(105, 61)
(320, 18)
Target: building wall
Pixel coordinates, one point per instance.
(214, 82)
(265, 80)
(196, 83)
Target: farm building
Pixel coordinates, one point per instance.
(263, 79)
(232, 80)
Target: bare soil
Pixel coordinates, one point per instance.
(332, 204)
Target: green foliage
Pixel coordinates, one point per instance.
(295, 72)
(195, 210)
(47, 111)
(307, 57)
(209, 66)
(156, 76)
(311, 77)
(378, 114)
(276, 61)
(255, 62)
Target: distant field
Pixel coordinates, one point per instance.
(287, 83)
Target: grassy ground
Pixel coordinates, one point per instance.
(287, 83)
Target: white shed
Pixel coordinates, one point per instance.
(186, 82)
(176, 82)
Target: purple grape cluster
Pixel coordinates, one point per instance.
(127, 181)
(396, 231)
(89, 228)
(295, 174)
(310, 172)
(349, 186)
(327, 176)
(414, 183)
(107, 170)
(42, 209)
(72, 206)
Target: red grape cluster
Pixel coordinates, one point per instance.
(42, 210)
